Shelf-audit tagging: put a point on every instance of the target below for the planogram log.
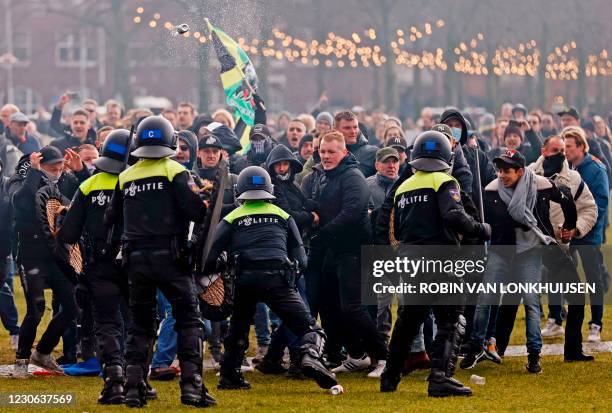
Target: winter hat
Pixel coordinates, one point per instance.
(325, 117)
(306, 138)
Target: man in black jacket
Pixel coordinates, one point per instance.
(356, 143)
(261, 145)
(78, 133)
(282, 166)
(35, 255)
(335, 288)
(517, 207)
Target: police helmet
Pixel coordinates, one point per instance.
(155, 138)
(432, 152)
(114, 151)
(254, 183)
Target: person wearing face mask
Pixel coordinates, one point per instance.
(459, 130)
(553, 165)
(261, 145)
(187, 149)
(282, 166)
(35, 256)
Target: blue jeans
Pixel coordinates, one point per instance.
(524, 267)
(594, 271)
(262, 325)
(166, 341)
(8, 311)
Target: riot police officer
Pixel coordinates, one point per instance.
(265, 238)
(157, 204)
(106, 285)
(428, 211)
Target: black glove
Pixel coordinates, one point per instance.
(485, 231)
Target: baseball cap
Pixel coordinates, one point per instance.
(51, 155)
(510, 157)
(397, 142)
(19, 117)
(260, 130)
(569, 110)
(445, 129)
(210, 141)
(385, 153)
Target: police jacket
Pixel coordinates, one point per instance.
(32, 243)
(428, 211)
(87, 212)
(342, 195)
(503, 227)
(156, 202)
(262, 234)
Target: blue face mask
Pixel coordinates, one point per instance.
(456, 133)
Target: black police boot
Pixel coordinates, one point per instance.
(233, 381)
(578, 357)
(442, 386)
(311, 351)
(135, 387)
(295, 371)
(112, 393)
(389, 380)
(268, 366)
(194, 393)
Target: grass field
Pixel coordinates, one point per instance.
(566, 387)
(561, 387)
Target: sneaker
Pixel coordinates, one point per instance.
(14, 341)
(246, 367)
(260, 354)
(380, 367)
(552, 329)
(351, 364)
(20, 369)
(271, 367)
(490, 350)
(594, 333)
(45, 361)
(533, 363)
(162, 373)
(474, 357)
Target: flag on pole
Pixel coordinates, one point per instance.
(239, 81)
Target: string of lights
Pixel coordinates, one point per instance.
(362, 51)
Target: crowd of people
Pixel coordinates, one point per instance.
(327, 183)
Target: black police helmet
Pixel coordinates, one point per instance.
(114, 151)
(254, 183)
(155, 138)
(432, 152)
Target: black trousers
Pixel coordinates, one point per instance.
(108, 289)
(407, 326)
(271, 288)
(148, 270)
(37, 276)
(340, 303)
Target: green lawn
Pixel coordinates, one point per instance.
(561, 387)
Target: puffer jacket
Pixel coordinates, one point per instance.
(586, 208)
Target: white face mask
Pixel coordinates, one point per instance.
(284, 177)
(51, 178)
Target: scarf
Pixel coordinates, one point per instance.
(521, 201)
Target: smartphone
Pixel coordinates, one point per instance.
(73, 95)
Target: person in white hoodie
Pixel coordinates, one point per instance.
(553, 165)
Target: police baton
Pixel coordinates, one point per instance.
(479, 185)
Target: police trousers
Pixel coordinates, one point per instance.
(148, 270)
(271, 288)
